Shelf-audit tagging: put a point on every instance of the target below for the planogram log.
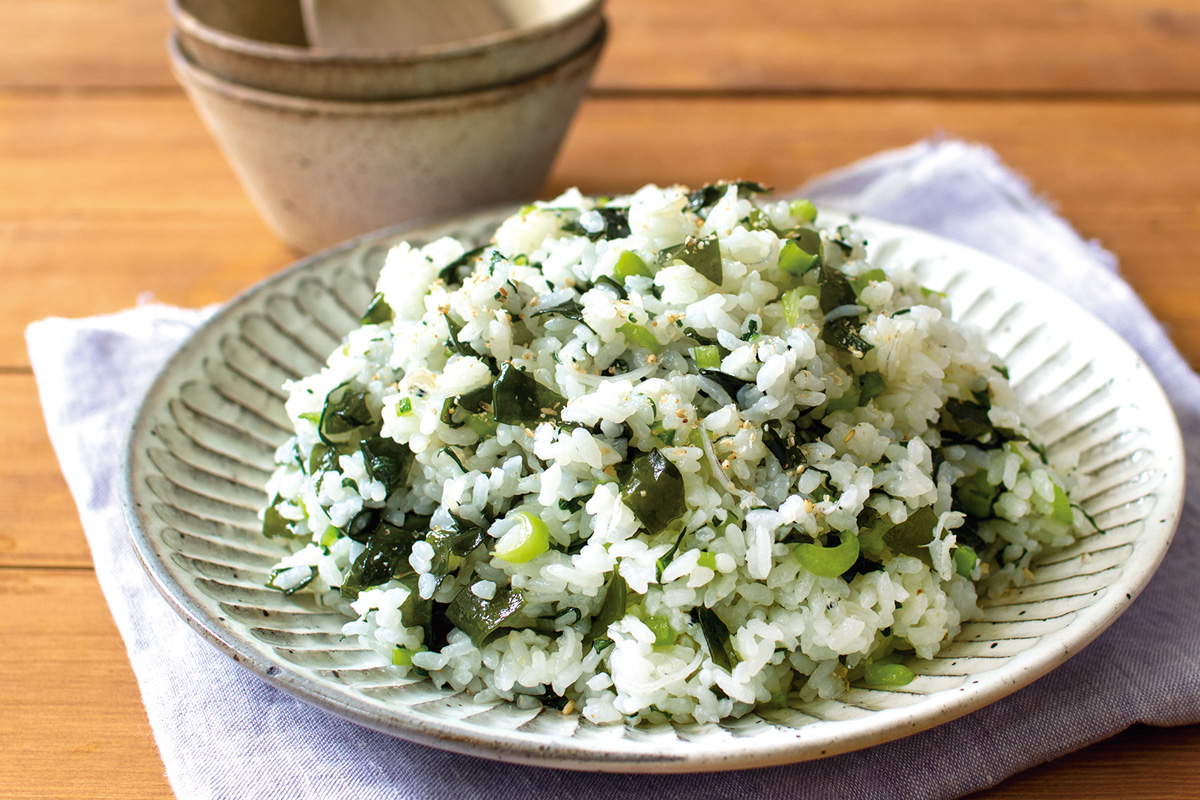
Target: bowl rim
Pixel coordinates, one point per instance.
(193, 26)
(185, 65)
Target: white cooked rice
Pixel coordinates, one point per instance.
(931, 435)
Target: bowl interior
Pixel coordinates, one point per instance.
(396, 29)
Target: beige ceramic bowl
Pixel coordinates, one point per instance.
(321, 171)
(263, 44)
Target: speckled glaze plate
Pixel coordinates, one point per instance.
(201, 450)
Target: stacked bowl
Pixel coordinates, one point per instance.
(343, 116)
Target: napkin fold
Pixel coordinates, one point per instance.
(224, 733)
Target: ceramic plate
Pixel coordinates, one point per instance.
(201, 450)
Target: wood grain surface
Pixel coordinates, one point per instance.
(112, 193)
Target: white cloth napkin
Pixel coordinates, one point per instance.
(223, 733)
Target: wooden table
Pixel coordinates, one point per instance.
(111, 190)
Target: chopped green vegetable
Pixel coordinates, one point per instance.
(867, 278)
(519, 399)
(529, 537)
(706, 356)
(878, 676)
(403, 406)
(479, 618)
(791, 302)
(654, 491)
(402, 656)
(803, 209)
(664, 634)
(828, 562)
(795, 261)
(378, 312)
(965, 560)
(629, 264)
(707, 559)
(1061, 507)
(641, 336)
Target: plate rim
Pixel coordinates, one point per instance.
(599, 754)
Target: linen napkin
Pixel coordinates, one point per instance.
(223, 733)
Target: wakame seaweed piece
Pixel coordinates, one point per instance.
(912, 537)
(463, 348)
(608, 282)
(835, 288)
(716, 636)
(323, 458)
(702, 255)
(611, 610)
(728, 382)
(710, 193)
(845, 333)
(344, 415)
(571, 309)
(616, 225)
(451, 273)
(654, 491)
(364, 524)
(479, 618)
(385, 557)
(458, 539)
(473, 403)
(518, 399)
(386, 460)
(968, 419)
(274, 523)
(378, 312)
(549, 699)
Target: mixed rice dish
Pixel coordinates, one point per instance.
(676, 455)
